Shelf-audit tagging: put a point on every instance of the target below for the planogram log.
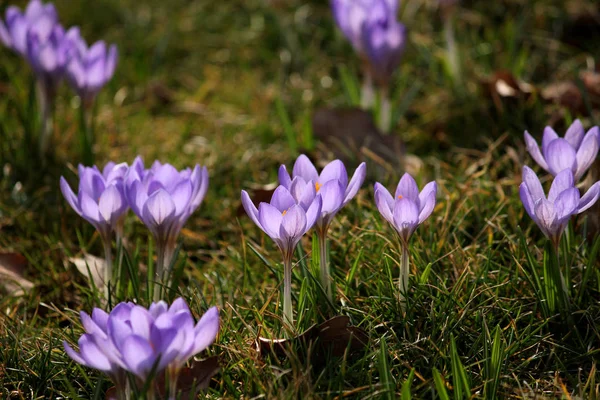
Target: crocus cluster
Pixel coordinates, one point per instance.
(405, 211)
(304, 199)
(53, 53)
(143, 342)
(567, 159)
(161, 196)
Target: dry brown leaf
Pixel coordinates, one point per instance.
(12, 269)
(93, 265)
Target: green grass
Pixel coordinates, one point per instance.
(226, 84)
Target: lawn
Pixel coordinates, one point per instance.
(234, 85)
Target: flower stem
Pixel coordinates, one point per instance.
(288, 313)
(160, 262)
(385, 119)
(404, 272)
(324, 262)
(367, 92)
(108, 270)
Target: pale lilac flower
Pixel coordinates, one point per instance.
(576, 151)
(89, 69)
(135, 339)
(38, 18)
(283, 219)
(100, 197)
(408, 208)
(332, 185)
(552, 214)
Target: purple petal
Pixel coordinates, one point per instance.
(4, 35)
(90, 325)
(250, 208)
(534, 187)
(575, 134)
(282, 199)
(549, 136)
(305, 169)
(428, 205)
(527, 200)
(206, 330)
(313, 212)
(284, 177)
(546, 217)
(566, 203)
(560, 155)
(270, 220)
(587, 152)
(93, 356)
(562, 181)
(384, 202)
(303, 192)
(181, 196)
(140, 320)
(89, 208)
(111, 205)
(111, 62)
(589, 198)
(332, 194)
(335, 170)
(534, 151)
(428, 190)
(73, 354)
(91, 182)
(293, 224)
(179, 305)
(159, 308)
(136, 197)
(407, 188)
(138, 355)
(159, 208)
(100, 317)
(356, 182)
(69, 195)
(406, 217)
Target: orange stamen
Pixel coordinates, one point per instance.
(284, 212)
(400, 196)
(318, 186)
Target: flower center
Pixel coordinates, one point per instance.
(318, 186)
(284, 212)
(400, 197)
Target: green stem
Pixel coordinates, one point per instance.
(385, 110)
(324, 262)
(288, 312)
(404, 273)
(108, 270)
(158, 273)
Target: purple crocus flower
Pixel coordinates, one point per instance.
(285, 222)
(576, 151)
(101, 201)
(408, 208)
(283, 219)
(332, 184)
(552, 214)
(135, 339)
(38, 18)
(100, 198)
(405, 212)
(89, 69)
(164, 198)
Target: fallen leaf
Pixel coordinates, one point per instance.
(91, 267)
(504, 85)
(12, 268)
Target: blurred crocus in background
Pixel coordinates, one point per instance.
(164, 198)
(101, 201)
(379, 39)
(285, 222)
(576, 151)
(335, 191)
(145, 343)
(405, 211)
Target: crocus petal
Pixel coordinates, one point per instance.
(406, 217)
(332, 194)
(335, 170)
(100, 317)
(284, 177)
(69, 195)
(138, 355)
(549, 136)
(293, 224)
(428, 205)
(73, 354)
(111, 204)
(574, 134)
(304, 168)
(313, 212)
(140, 321)
(563, 181)
(89, 208)
(282, 199)
(527, 200)
(356, 182)
(92, 355)
(179, 305)
(250, 208)
(159, 208)
(534, 186)
(407, 188)
(566, 203)
(546, 216)
(587, 152)
(270, 220)
(534, 151)
(181, 196)
(384, 202)
(589, 198)
(560, 155)
(4, 35)
(206, 330)
(430, 188)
